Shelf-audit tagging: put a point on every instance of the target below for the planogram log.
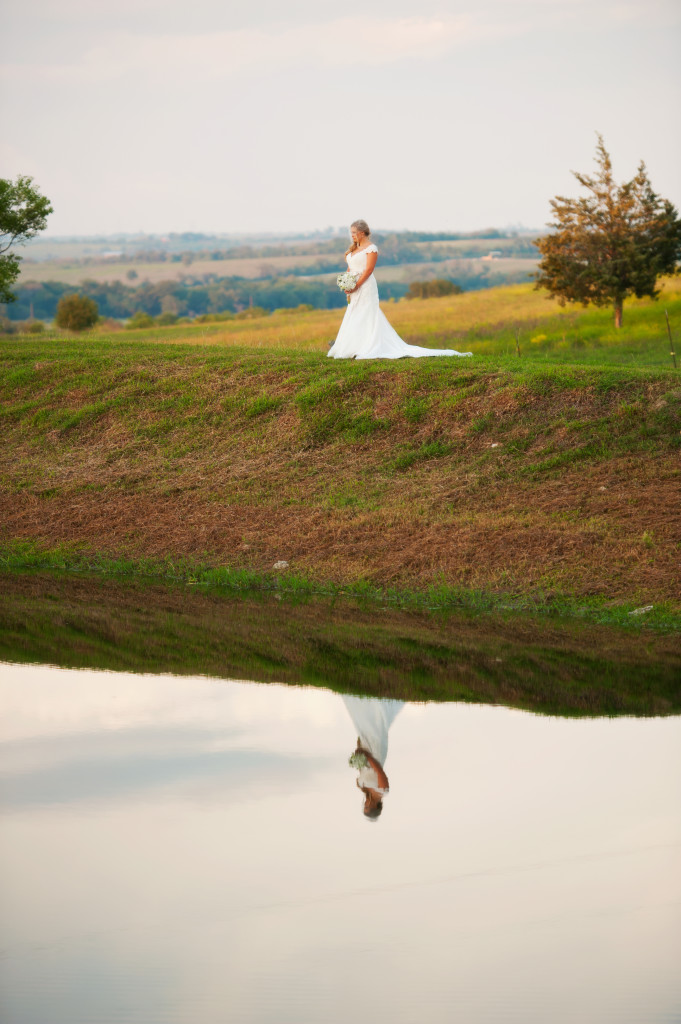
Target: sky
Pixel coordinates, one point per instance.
(162, 115)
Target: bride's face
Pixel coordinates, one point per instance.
(356, 236)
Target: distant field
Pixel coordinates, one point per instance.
(477, 246)
(456, 268)
(109, 271)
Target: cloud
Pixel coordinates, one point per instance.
(345, 42)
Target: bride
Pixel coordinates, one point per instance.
(365, 333)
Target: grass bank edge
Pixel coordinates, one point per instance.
(22, 556)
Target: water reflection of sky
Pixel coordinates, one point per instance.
(194, 850)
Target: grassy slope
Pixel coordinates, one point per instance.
(244, 445)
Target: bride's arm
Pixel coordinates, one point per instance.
(368, 270)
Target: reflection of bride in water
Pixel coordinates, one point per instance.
(372, 719)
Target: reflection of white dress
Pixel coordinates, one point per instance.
(365, 333)
(372, 718)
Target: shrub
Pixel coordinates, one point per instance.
(304, 307)
(109, 323)
(432, 289)
(138, 320)
(76, 312)
(33, 327)
(166, 319)
(252, 313)
(7, 326)
(213, 318)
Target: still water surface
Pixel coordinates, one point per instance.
(195, 850)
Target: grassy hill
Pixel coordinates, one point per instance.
(484, 322)
(553, 477)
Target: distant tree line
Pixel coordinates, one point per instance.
(211, 294)
(228, 294)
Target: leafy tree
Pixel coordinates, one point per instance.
(23, 213)
(614, 242)
(76, 312)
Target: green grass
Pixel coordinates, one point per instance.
(553, 473)
(484, 322)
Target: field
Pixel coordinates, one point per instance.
(252, 268)
(117, 270)
(549, 480)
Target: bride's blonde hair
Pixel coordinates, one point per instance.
(358, 225)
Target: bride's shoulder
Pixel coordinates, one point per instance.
(371, 248)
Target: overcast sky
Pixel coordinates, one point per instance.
(164, 115)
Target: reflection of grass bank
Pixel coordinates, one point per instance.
(132, 625)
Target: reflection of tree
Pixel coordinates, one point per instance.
(372, 719)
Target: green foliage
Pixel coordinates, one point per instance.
(611, 244)
(139, 320)
(23, 213)
(432, 289)
(76, 313)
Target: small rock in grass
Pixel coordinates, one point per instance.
(602, 488)
(495, 444)
(280, 565)
(643, 610)
(245, 547)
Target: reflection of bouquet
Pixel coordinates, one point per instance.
(358, 760)
(346, 281)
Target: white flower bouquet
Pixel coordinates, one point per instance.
(358, 760)
(346, 281)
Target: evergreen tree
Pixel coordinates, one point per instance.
(610, 244)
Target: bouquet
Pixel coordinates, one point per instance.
(346, 281)
(358, 760)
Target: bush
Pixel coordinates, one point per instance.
(252, 313)
(109, 323)
(138, 320)
(213, 318)
(166, 319)
(33, 327)
(7, 326)
(304, 307)
(432, 289)
(76, 313)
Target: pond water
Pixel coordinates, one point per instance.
(196, 850)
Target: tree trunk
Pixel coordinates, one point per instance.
(618, 312)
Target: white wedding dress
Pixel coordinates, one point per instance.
(365, 333)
